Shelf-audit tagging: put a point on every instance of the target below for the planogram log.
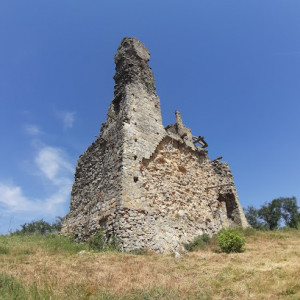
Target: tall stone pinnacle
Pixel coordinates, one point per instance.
(132, 66)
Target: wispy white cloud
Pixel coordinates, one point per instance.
(32, 129)
(57, 201)
(53, 164)
(68, 119)
(54, 167)
(13, 199)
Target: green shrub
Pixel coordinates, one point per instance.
(199, 242)
(230, 240)
(99, 242)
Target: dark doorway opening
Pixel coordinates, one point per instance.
(230, 202)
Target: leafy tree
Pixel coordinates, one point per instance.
(290, 212)
(40, 227)
(56, 226)
(251, 214)
(270, 213)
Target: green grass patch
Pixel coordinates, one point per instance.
(139, 252)
(10, 288)
(4, 249)
(55, 243)
(27, 244)
(248, 231)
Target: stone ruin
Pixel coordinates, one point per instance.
(152, 187)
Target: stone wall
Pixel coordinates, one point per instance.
(183, 195)
(149, 186)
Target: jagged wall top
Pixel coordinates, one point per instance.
(131, 61)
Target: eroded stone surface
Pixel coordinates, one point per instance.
(149, 186)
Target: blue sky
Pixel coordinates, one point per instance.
(232, 68)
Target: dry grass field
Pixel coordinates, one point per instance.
(35, 267)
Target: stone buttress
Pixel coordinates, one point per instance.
(151, 187)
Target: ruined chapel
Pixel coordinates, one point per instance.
(150, 186)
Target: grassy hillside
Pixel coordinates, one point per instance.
(36, 267)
